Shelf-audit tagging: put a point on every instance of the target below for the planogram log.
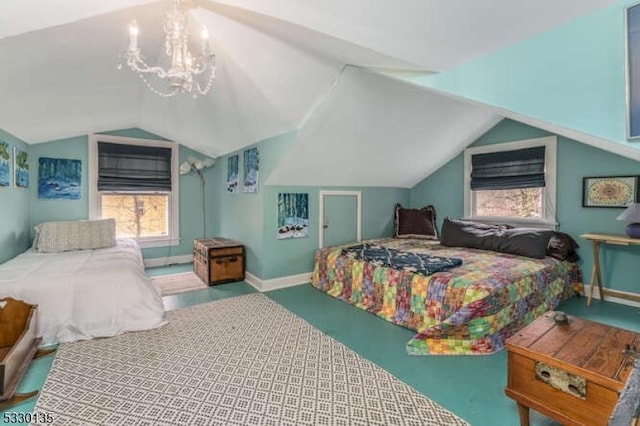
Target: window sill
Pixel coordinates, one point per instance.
(157, 242)
(513, 221)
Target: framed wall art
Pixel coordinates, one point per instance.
(5, 165)
(20, 168)
(233, 175)
(293, 215)
(609, 191)
(59, 178)
(632, 35)
(251, 169)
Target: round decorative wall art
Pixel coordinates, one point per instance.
(609, 191)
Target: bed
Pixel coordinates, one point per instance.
(467, 310)
(84, 294)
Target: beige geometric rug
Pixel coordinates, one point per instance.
(178, 283)
(239, 361)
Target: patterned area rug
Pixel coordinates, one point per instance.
(239, 361)
(178, 283)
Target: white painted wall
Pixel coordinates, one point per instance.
(375, 131)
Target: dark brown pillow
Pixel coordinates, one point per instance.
(415, 223)
(563, 247)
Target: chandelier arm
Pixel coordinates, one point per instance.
(139, 66)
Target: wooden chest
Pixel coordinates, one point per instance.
(218, 260)
(571, 372)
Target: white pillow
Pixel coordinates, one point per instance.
(54, 237)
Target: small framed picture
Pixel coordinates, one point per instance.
(609, 191)
(20, 168)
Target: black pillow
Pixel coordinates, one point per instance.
(529, 242)
(563, 247)
(415, 223)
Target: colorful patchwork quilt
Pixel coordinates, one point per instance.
(467, 310)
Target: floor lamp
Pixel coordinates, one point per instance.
(193, 164)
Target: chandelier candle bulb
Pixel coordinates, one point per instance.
(133, 36)
(205, 41)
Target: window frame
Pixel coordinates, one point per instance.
(95, 200)
(549, 202)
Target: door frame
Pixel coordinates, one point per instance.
(358, 195)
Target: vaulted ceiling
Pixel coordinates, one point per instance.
(312, 66)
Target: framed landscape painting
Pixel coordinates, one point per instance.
(20, 168)
(251, 169)
(609, 191)
(233, 175)
(5, 164)
(293, 215)
(59, 178)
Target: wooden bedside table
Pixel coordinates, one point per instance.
(571, 373)
(218, 260)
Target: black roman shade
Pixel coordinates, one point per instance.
(521, 168)
(132, 168)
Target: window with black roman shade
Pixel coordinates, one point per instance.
(521, 168)
(133, 168)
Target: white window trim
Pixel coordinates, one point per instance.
(549, 201)
(173, 239)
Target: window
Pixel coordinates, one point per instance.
(135, 181)
(512, 182)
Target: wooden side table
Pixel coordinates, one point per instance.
(570, 372)
(596, 275)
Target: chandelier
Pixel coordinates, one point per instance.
(183, 73)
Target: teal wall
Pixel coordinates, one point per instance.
(78, 148)
(252, 218)
(444, 189)
(295, 256)
(14, 211)
(572, 76)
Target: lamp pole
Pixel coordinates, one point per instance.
(204, 222)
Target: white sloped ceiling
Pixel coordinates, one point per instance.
(375, 131)
(282, 65)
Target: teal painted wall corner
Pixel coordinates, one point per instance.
(252, 218)
(575, 160)
(77, 148)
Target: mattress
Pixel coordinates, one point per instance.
(85, 294)
(467, 310)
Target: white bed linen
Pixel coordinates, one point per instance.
(86, 293)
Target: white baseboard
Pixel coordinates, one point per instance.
(277, 283)
(164, 261)
(625, 297)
